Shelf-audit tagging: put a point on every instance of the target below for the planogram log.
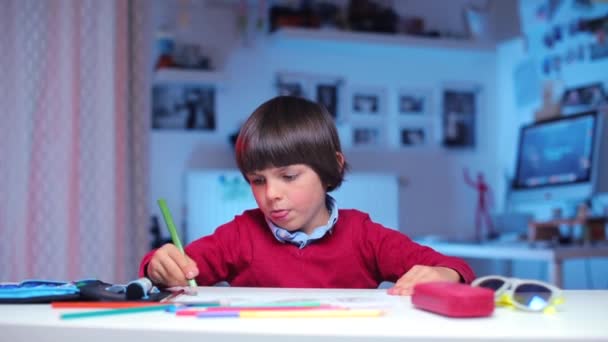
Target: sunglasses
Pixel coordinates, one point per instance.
(524, 294)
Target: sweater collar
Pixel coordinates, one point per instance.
(302, 239)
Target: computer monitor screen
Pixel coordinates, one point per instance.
(559, 163)
(557, 154)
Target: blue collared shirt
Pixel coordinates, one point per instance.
(302, 239)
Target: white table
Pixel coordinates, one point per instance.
(582, 317)
(554, 256)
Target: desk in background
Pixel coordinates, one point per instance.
(581, 317)
(594, 229)
(554, 256)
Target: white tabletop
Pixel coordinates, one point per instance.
(584, 315)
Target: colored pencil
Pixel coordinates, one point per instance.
(112, 312)
(174, 237)
(198, 306)
(100, 305)
(284, 303)
(324, 313)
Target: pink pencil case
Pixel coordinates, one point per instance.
(453, 299)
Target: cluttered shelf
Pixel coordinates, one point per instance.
(293, 34)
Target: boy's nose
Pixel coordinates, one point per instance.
(272, 190)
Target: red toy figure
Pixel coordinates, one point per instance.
(484, 202)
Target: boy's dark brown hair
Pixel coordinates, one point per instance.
(289, 130)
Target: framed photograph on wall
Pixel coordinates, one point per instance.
(367, 136)
(459, 111)
(183, 106)
(414, 102)
(323, 89)
(583, 98)
(291, 89)
(292, 84)
(412, 136)
(327, 95)
(367, 102)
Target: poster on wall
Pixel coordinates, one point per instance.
(459, 109)
(183, 107)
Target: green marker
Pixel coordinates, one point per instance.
(174, 237)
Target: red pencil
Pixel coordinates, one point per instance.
(102, 305)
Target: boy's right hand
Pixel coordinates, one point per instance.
(170, 267)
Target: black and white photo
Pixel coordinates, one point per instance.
(184, 107)
(412, 136)
(413, 102)
(323, 89)
(458, 116)
(366, 136)
(367, 102)
(291, 89)
(327, 95)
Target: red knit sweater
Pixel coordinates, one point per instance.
(358, 253)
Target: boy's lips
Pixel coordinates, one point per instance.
(279, 214)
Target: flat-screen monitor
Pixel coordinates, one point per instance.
(558, 160)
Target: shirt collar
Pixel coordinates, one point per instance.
(302, 239)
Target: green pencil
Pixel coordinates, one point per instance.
(97, 313)
(174, 237)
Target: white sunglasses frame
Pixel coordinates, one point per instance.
(510, 284)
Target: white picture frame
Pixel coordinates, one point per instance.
(413, 102)
(367, 103)
(413, 135)
(367, 136)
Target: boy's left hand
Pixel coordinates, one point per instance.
(422, 274)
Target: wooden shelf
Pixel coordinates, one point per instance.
(305, 34)
(188, 76)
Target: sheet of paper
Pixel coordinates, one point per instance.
(345, 298)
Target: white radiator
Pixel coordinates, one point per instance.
(214, 197)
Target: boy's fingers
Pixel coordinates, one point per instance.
(192, 269)
(186, 265)
(400, 290)
(173, 274)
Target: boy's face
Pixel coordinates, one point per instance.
(292, 197)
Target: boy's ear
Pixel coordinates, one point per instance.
(340, 157)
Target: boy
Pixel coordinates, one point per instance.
(290, 154)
